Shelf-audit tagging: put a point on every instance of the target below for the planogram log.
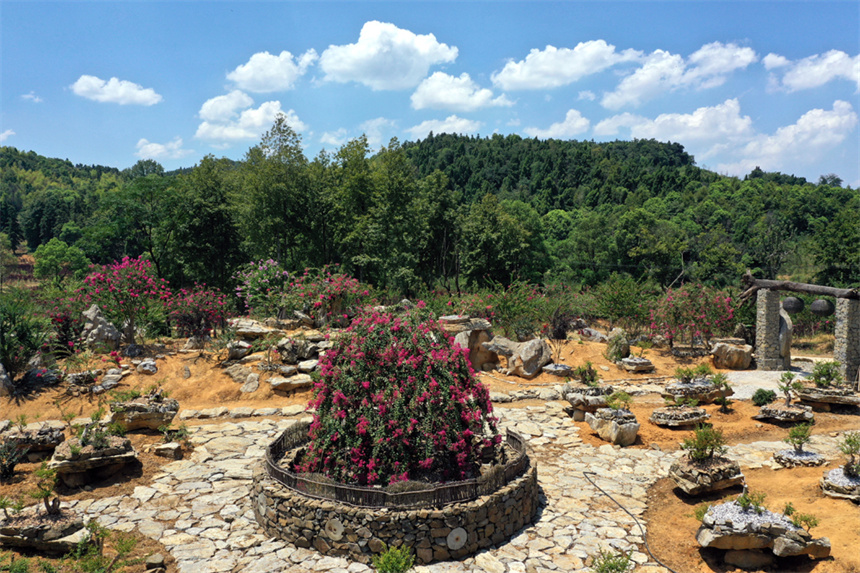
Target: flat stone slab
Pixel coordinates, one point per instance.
(143, 413)
(637, 364)
(700, 389)
(281, 384)
(558, 369)
(792, 458)
(675, 416)
(697, 478)
(783, 413)
(42, 532)
(829, 396)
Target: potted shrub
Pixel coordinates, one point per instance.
(616, 423)
(787, 412)
(698, 383)
(798, 436)
(844, 481)
(704, 469)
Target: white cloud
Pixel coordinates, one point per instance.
(718, 123)
(612, 125)
(6, 135)
(385, 57)
(772, 61)
(554, 67)
(587, 95)
(225, 107)
(376, 130)
(451, 124)
(114, 91)
(32, 97)
(804, 142)
(441, 91)
(172, 150)
(816, 70)
(662, 71)
(265, 72)
(250, 124)
(336, 138)
(573, 124)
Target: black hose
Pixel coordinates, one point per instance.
(642, 529)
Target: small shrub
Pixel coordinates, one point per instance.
(10, 456)
(22, 333)
(611, 562)
(619, 401)
(762, 397)
(804, 520)
(850, 446)
(46, 488)
(706, 443)
(826, 374)
(798, 436)
(394, 560)
(700, 510)
(125, 395)
(586, 374)
(721, 383)
(7, 505)
(789, 509)
(19, 565)
(754, 501)
(685, 375)
(198, 311)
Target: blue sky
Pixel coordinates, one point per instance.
(739, 84)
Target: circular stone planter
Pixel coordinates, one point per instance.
(783, 413)
(335, 519)
(792, 458)
(675, 416)
(835, 483)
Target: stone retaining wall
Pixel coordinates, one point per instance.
(451, 532)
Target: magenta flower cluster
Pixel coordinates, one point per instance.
(693, 312)
(397, 400)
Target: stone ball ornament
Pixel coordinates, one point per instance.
(792, 304)
(822, 307)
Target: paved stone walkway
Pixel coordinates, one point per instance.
(199, 508)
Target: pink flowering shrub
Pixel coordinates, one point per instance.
(396, 400)
(326, 295)
(197, 311)
(692, 312)
(261, 285)
(125, 291)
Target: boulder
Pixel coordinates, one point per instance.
(147, 366)
(172, 450)
(472, 335)
(700, 389)
(238, 350)
(617, 345)
(562, 370)
(281, 384)
(615, 426)
(308, 366)
(98, 332)
(78, 465)
(728, 526)
(525, 359)
(591, 335)
(196, 343)
(144, 413)
(782, 413)
(731, 357)
(674, 416)
(637, 364)
(248, 329)
(586, 398)
(239, 373)
(36, 437)
(37, 531)
(705, 476)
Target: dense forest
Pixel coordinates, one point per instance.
(449, 211)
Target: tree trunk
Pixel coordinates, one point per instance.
(753, 285)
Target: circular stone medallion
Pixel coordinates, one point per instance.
(457, 539)
(334, 529)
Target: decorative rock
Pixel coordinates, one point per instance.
(457, 539)
(281, 384)
(700, 389)
(783, 413)
(696, 478)
(525, 359)
(171, 450)
(836, 483)
(586, 399)
(81, 378)
(561, 370)
(832, 395)
(249, 329)
(186, 372)
(822, 307)
(617, 345)
(39, 378)
(591, 335)
(88, 464)
(786, 329)
(678, 416)
(54, 535)
(732, 357)
(637, 364)
(98, 332)
(334, 529)
(36, 437)
(155, 561)
(473, 335)
(147, 412)
(148, 367)
(238, 350)
(308, 366)
(791, 458)
(615, 426)
(238, 373)
(792, 304)
(196, 343)
(133, 350)
(252, 384)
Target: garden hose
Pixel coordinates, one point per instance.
(642, 529)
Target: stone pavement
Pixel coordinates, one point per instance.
(199, 508)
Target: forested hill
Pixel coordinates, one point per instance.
(445, 210)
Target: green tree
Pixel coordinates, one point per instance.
(56, 260)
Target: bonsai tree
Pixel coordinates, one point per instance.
(787, 384)
(721, 383)
(619, 401)
(706, 443)
(826, 374)
(850, 446)
(46, 489)
(10, 456)
(798, 436)
(587, 374)
(396, 400)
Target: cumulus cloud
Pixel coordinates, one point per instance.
(114, 90)
(815, 71)
(385, 57)
(171, 150)
(587, 95)
(553, 67)
(442, 91)
(612, 125)
(6, 135)
(265, 72)
(336, 138)
(451, 124)
(573, 124)
(663, 71)
(225, 107)
(377, 129)
(32, 97)
(717, 123)
(815, 133)
(249, 124)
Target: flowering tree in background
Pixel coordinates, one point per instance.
(396, 401)
(692, 312)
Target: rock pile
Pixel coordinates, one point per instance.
(699, 477)
(674, 416)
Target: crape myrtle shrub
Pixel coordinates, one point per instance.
(197, 311)
(693, 313)
(267, 289)
(396, 400)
